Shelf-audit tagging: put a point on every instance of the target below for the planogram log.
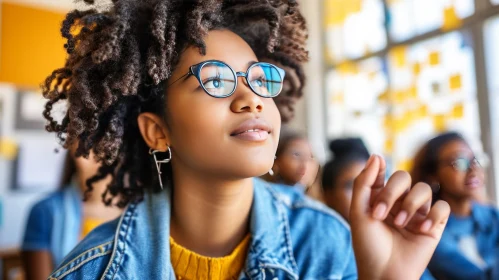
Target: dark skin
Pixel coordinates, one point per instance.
(339, 196)
(458, 188)
(294, 164)
(213, 187)
(39, 263)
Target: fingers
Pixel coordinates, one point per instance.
(436, 220)
(364, 183)
(396, 188)
(418, 200)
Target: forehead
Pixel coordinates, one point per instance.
(221, 45)
(454, 149)
(298, 143)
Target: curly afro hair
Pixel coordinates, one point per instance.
(118, 62)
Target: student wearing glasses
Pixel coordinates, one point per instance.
(470, 243)
(294, 164)
(173, 100)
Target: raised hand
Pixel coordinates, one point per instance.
(395, 229)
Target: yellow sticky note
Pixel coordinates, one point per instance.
(416, 68)
(451, 19)
(413, 92)
(439, 123)
(355, 5)
(399, 125)
(347, 68)
(399, 97)
(388, 122)
(405, 165)
(389, 146)
(455, 82)
(434, 58)
(423, 111)
(337, 99)
(384, 96)
(399, 56)
(8, 148)
(458, 111)
(409, 117)
(334, 13)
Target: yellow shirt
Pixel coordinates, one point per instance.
(189, 265)
(88, 225)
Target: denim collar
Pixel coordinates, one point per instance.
(480, 217)
(143, 234)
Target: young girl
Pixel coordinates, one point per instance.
(469, 245)
(57, 223)
(349, 159)
(170, 96)
(294, 163)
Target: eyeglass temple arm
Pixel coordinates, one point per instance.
(181, 77)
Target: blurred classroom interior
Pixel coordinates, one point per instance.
(393, 72)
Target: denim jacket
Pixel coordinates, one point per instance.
(293, 237)
(449, 263)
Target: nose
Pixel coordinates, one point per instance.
(245, 100)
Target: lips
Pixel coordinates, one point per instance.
(252, 130)
(473, 182)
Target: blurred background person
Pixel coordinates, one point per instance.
(349, 157)
(57, 223)
(294, 164)
(470, 243)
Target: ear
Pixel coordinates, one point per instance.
(154, 131)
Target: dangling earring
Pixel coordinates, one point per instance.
(271, 172)
(159, 162)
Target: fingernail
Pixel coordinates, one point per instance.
(400, 219)
(425, 227)
(379, 211)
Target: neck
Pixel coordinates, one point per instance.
(459, 206)
(210, 216)
(98, 188)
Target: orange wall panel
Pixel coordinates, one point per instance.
(31, 45)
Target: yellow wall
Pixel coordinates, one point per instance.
(31, 45)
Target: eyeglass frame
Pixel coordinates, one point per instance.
(195, 70)
(473, 163)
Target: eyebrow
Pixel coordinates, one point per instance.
(251, 63)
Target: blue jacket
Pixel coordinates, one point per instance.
(293, 237)
(449, 263)
(54, 224)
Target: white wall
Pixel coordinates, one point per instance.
(314, 115)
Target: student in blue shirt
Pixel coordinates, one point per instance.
(171, 97)
(470, 243)
(59, 221)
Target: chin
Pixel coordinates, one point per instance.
(252, 168)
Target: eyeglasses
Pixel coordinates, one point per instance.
(299, 156)
(219, 80)
(464, 164)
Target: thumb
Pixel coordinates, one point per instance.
(369, 181)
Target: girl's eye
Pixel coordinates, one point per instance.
(213, 83)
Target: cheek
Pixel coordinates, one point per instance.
(194, 126)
